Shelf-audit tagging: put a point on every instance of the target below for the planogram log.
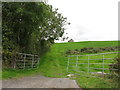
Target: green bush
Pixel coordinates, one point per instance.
(115, 74)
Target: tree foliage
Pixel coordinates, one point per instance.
(30, 27)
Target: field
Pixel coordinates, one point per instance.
(58, 56)
(54, 64)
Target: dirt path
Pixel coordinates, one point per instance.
(39, 82)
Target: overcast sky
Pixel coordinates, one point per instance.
(91, 20)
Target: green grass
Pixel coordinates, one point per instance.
(87, 81)
(12, 73)
(54, 62)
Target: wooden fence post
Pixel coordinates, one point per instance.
(38, 62)
(24, 60)
(32, 61)
(14, 62)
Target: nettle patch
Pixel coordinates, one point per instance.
(93, 50)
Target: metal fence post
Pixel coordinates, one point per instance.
(88, 64)
(68, 64)
(76, 63)
(103, 64)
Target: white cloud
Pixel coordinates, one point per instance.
(90, 19)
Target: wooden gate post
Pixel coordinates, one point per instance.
(24, 60)
(32, 61)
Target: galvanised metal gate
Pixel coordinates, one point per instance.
(91, 63)
(26, 61)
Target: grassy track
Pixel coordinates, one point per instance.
(54, 63)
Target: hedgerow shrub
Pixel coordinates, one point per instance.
(116, 73)
(93, 50)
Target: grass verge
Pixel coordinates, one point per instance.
(85, 80)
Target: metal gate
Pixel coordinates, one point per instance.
(26, 61)
(91, 63)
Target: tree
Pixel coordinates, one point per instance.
(30, 27)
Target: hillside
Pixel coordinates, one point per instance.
(54, 63)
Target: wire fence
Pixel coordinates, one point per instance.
(26, 61)
(101, 63)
